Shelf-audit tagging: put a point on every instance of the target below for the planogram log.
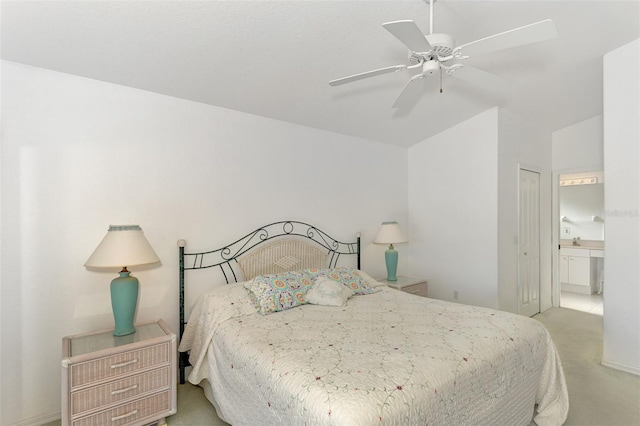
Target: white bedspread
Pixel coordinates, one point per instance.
(387, 358)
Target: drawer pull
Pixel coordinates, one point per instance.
(124, 364)
(415, 291)
(124, 416)
(119, 391)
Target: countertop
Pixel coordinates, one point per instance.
(585, 244)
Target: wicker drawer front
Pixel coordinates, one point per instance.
(417, 289)
(119, 390)
(113, 366)
(129, 413)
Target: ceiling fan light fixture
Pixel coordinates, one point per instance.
(430, 67)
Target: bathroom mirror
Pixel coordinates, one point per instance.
(582, 206)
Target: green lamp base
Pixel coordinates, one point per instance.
(124, 299)
(391, 259)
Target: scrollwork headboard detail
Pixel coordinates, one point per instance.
(226, 258)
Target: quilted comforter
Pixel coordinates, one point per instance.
(387, 358)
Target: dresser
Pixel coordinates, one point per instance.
(417, 286)
(119, 380)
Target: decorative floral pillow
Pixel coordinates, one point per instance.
(328, 293)
(371, 282)
(278, 292)
(347, 276)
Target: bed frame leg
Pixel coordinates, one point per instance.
(183, 363)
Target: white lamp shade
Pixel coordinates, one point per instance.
(123, 246)
(390, 233)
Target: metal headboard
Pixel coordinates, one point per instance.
(226, 258)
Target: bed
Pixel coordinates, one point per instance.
(382, 357)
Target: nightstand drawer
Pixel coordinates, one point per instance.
(129, 413)
(125, 363)
(119, 390)
(417, 289)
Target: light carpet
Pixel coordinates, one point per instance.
(598, 395)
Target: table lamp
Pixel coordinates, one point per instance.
(123, 246)
(390, 233)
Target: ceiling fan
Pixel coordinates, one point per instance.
(436, 53)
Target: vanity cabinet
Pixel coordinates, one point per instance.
(578, 270)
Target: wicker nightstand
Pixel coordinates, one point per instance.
(417, 286)
(119, 380)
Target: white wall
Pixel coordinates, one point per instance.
(1, 244)
(622, 207)
(522, 145)
(578, 147)
(453, 211)
(463, 209)
(78, 155)
(579, 204)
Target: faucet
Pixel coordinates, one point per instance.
(576, 241)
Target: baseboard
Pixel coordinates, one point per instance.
(621, 367)
(39, 420)
(576, 288)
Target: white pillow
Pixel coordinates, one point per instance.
(328, 292)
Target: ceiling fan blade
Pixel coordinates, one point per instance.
(532, 33)
(367, 74)
(409, 34)
(479, 77)
(411, 91)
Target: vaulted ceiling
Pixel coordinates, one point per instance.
(275, 58)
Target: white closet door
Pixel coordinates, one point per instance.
(529, 242)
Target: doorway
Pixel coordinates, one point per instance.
(529, 242)
(580, 234)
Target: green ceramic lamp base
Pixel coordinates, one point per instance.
(391, 259)
(124, 299)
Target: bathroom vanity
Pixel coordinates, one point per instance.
(579, 272)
